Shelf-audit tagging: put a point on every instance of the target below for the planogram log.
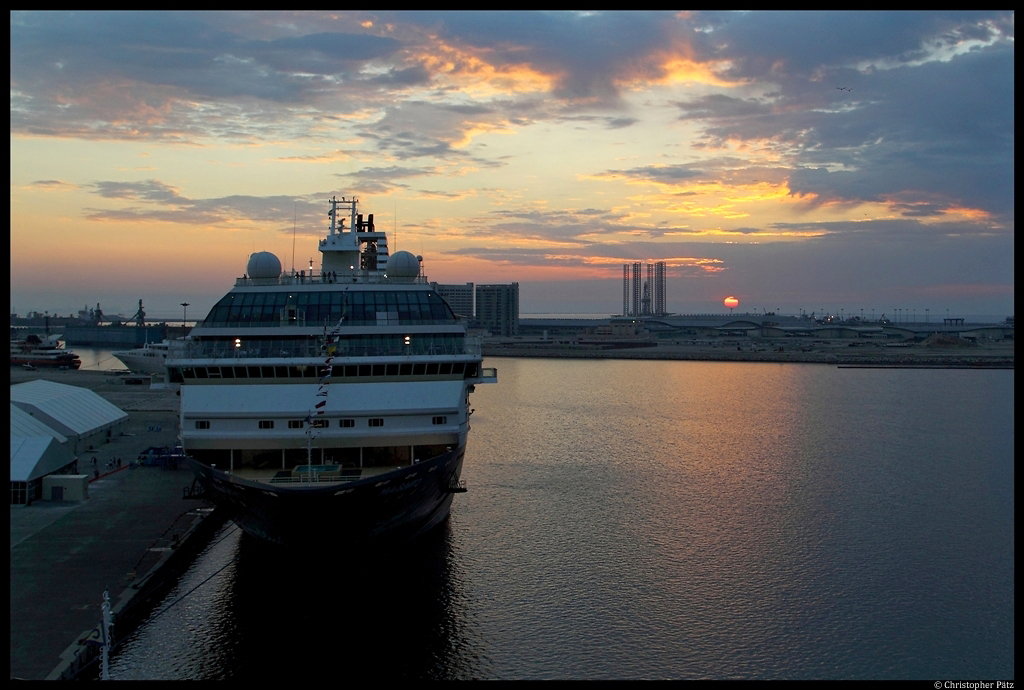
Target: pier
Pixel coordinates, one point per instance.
(130, 537)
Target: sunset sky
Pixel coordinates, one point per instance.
(794, 160)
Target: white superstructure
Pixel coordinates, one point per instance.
(151, 358)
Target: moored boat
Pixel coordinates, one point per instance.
(40, 352)
(151, 358)
(334, 404)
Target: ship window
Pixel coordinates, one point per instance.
(392, 370)
(202, 424)
(240, 372)
(364, 369)
(440, 420)
(445, 369)
(281, 372)
(378, 369)
(320, 423)
(351, 370)
(294, 423)
(254, 372)
(432, 369)
(376, 421)
(346, 423)
(418, 369)
(201, 373)
(266, 424)
(268, 372)
(227, 372)
(188, 373)
(405, 369)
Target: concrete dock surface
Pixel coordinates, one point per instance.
(64, 555)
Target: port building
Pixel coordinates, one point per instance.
(83, 417)
(497, 309)
(38, 452)
(458, 297)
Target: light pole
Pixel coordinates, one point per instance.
(184, 312)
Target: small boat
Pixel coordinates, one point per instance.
(29, 367)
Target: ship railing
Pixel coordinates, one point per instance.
(311, 278)
(316, 478)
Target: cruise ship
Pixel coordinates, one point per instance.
(333, 405)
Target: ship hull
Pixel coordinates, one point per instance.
(50, 361)
(141, 364)
(398, 505)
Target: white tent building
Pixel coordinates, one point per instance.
(84, 418)
(37, 451)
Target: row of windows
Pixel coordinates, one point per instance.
(358, 308)
(348, 345)
(322, 423)
(180, 374)
(382, 298)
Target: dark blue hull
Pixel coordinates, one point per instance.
(398, 505)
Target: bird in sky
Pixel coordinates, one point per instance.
(843, 88)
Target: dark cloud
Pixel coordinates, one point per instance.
(586, 52)
(912, 115)
(381, 180)
(720, 106)
(181, 76)
(152, 200)
(767, 45)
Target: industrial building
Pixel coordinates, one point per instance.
(643, 297)
(497, 309)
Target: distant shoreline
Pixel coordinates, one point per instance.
(1000, 357)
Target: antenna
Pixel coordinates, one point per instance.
(295, 214)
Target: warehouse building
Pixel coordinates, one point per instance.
(84, 418)
(38, 453)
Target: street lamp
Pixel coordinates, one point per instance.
(184, 311)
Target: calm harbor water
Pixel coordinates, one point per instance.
(97, 358)
(642, 519)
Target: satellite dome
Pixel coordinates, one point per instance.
(403, 266)
(264, 265)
